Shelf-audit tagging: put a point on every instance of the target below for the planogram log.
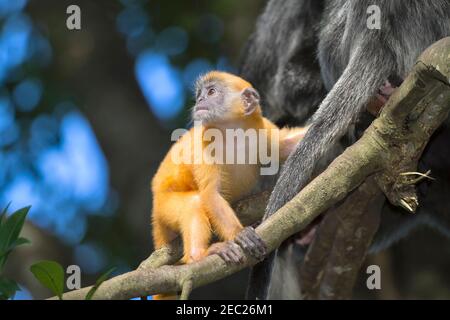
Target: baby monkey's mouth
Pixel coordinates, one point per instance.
(201, 113)
(201, 108)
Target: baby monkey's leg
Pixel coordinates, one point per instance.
(182, 213)
(229, 228)
(196, 231)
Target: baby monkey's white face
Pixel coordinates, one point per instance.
(210, 102)
(219, 101)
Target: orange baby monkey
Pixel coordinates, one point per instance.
(192, 198)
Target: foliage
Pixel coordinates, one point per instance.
(51, 275)
(99, 281)
(10, 228)
(8, 288)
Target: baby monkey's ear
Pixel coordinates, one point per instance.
(250, 100)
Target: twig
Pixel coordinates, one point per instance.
(186, 289)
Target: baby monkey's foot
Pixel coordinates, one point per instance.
(229, 251)
(249, 240)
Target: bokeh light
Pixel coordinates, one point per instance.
(14, 38)
(90, 258)
(132, 21)
(23, 294)
(27, 94)
(171, 41)
(70, 180)
(8, 7)
(161, 84)
(49, 155)
(9, 131)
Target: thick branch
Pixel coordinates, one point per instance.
(390, 146)
(334, 258)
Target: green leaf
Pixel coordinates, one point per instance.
(99, 281)
(20, 241)
(8, 288)
(9, 232)
(51, 275)
(3, 214)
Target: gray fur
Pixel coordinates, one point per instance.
(285, 271)
(212, 108)
(282, 66)
(357, 61)
(354, 62)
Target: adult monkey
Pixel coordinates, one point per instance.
(303, 48)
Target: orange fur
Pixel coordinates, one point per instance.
(194, 199)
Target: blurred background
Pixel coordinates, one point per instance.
(86, 117)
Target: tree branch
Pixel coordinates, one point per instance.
(390, 146)
(337, 252)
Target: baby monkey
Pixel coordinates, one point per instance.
(192, 198)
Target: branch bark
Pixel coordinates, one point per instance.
(389, 147)
(339, 248)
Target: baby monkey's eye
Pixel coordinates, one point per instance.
(211, 91)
